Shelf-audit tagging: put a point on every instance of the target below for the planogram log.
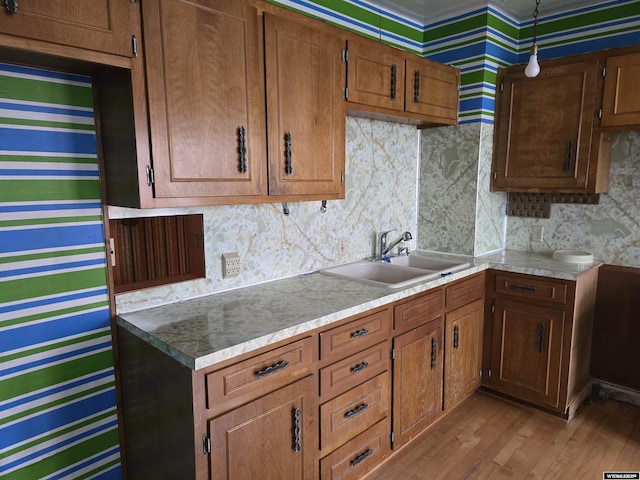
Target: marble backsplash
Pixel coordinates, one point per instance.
(610, 230)
(381, 184)
(456, 212)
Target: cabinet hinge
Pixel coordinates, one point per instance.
(600, 114)
(493, 308)
(489, 373)
(342, 178)
(393, 353)
(604, 72)
(345, 93)
(206, 445)
(134, 46)
(391, 438)
(495, 176)
(501, 87)
(345, 55)
(150, 176)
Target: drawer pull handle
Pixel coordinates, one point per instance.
(362, 457)
(434, 353)
(272, 369)
(360, 333)
(359, 367)
(416, 86)
(11, 6)
(524, 288)
(456, 336)
(297, 430)
(541, 337)
(356, 411)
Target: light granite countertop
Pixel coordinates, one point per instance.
(202, 331)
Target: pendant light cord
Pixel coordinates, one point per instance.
(535, 22)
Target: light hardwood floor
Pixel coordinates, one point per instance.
(489, 438)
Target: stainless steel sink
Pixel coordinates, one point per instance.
(400, 272)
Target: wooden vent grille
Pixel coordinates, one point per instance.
(538, 205)
(151, 251)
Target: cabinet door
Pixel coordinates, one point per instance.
(270, 438)
(206, 98)
(463, 352)
(305, 111)
(527, 351)
(417, 380)
(621, 103)
(375, 75)
(432, 89)
(543, 128)
(100, 25)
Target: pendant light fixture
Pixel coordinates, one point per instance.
(533, 68)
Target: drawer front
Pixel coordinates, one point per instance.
(415, 312)
(353, 412)
(547, 289)
(354, 370)
(354, 336)
(251, 378)
(359, 456)
(465, 291)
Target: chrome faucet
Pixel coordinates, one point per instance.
(384, 248)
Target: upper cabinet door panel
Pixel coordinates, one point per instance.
(206, 98)
(621, 103)
(99, 25)
(544, 128)
(305, 111)
(432, 89)
(375, 75)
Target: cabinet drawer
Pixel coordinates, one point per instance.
(340, 376)
(256, 376)
(354, 459)
(353, 412)
(525, 286)
(465, 291)
(418, 310)
(356, 335)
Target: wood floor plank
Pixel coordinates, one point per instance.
(486, 438)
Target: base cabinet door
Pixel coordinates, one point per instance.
(270, 438)
(417, 380)
(527, 351)
(463, 352)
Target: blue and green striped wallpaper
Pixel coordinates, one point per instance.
(57, 390)
(480, 41)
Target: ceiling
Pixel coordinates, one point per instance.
(429, 11)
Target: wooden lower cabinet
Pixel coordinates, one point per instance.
(417, 380)
(463, 352)
(270, 438)
(540, 339)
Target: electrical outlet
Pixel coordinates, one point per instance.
(537, 233)
(342, 248)
(231, 265)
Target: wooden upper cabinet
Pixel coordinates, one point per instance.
(432, 89)
(386, 81)
(375, 75)
(544, 127)
(205, 98)
(99, 25)
(305, 111)
(621, 102)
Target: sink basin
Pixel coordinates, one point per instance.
(429, 263)
(400, 272)
(382, 274)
